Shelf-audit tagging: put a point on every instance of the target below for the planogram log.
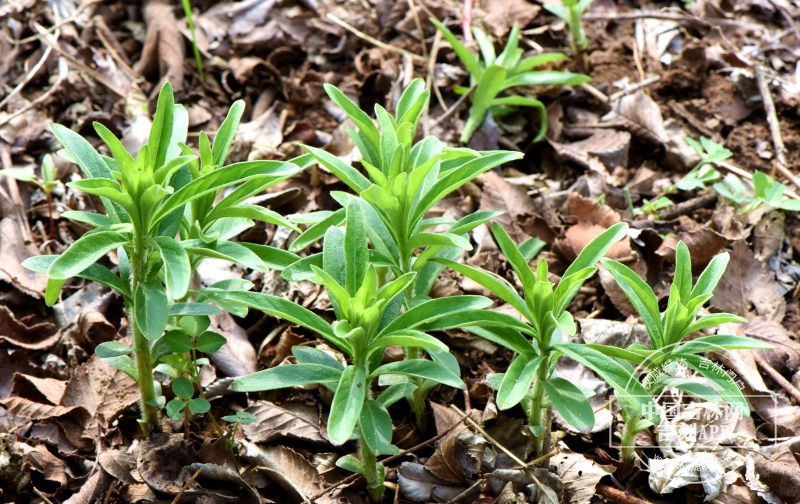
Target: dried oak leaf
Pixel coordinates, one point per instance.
(92, 490)
(12, 252)
(118, 464)
(579, 475)
(212, 483)
(748, 288)
(38, 389)
(11, 363)
(785, 356)
(518, 208)
(704, 244)
(781, 474)
(420, 485)
(293, 420)
(72, 420)
(161, 461)
(53, 470)
(15, 333)
(285, 467)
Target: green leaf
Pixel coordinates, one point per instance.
(150, 309)
(514, 256)
(641, 296)
(91, 218)
(254, 212)
(287, 376)
(408, 337)
(616, 352)
(178, 271)
(161, 130)
(210, 342)
(350, 463)
(358, 116)
(227, 132)
(182, 309)
(272, 257)
(545, 78)
(112, 349)
(234, 252)
(420, 368)
(489, 84)
(633, 398)
(124, 364)
(174, 409)
(524, 101)
(94, 273)
(719, 378)
(683, 272)
(708, 279)
(494, 283)
(485, 45)
(396, 392)
(712, 320)
(536, 61)
(18, 174)
(437, 239)
(317, 231)
(221, 178)
(178, 341)
(356, 256)
(183, 387)
(434, 309)
(376, 426)
(195, 325)
(518, 379)
(466, 57)
(199, 405)
(83, 253)
(347, 404)
(311, 355)
(722, 342)
(571, 403)
(692, 387)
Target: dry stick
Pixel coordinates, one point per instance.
(28, 77)
(688, 206)
(184, 487)
(774, 127)
(111, 488)
(453, 108)
(112, 45)
(43, 496)
(55, 26)
(466, 493)
(373, 40)
(354, 477)
(525, 466)
(419, 27)
(620, 496)
(775, 376)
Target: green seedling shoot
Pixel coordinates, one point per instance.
(47, 183)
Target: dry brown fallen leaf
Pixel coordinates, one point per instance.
(51, 468)
(105, 392)
(287, 468)
(17, 334)
(579, 475)
(237, 357)
(502, 14)
(703, 242)
(12, 252)
(748, 288)
(164, 51)
(785, 356)
(593, 219)
(293, 420)
(781, 474)
(520, 216)
(38, 389)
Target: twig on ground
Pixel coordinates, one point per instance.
(56, 26)
(184, 487)
(43, 496)
(775, 376)
(774, 127)
(707, 21)
(453, 108)
(632, 88)
(28, 77)
(373, 40)
(688, 206)
(616, 495)
(469, 491)
(353, 477)
(417, 22)
(111, 44)
(62, 74)
(111, 488)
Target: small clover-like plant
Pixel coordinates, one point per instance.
(165, 192)
(494, 74)
(240, 418)
(364, 327)
(703, 173)
(765, 192)
(47, 182)
(404, 181)
(669, 334)
(529, 379)
(652, 207)
(570, 11)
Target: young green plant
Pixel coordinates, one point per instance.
(363, 329)
(570, 11)
(703, 173)
(404, 181)
(669, 333)
(164, 191)
(765, 192)
(47, 183)
(529, 380)
(494, 74)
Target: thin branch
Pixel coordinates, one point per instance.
(184, 487)
(373, 40)
(453, 107)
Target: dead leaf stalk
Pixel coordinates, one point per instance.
(453, 108)
(184, 487)
(775, 376)
(374, 41)
(616, 495)
(286, 478)
(774, 127)
(469, 491)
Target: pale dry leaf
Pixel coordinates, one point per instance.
(703, 243)
(510, 199)
(286, 467)
(52, 469)
(38, 389)
(748, 288)
(93, 489)
(12, 252)
(293, 420)
(164, 49)
(420, 485)
(579, 475)
(785, 356)
(105, 392)
(237, 357)
(781, 474)
(118, 464)
(15, 333)
(667, 475)
(501, 14)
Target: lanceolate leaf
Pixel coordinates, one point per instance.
(150, 309)
(434, 309)
(376, 426)
(356, 256)
(347, 404)
(597, 248)
(176, 266)
(83, 253)
(94, 273)
(571, 403)
(518, 379)
(420, 368)
(641, 296)
(722, 342)
(287, 376)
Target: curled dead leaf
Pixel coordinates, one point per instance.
(18, 334)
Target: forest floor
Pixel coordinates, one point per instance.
(724, 70)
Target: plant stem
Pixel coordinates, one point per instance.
(418, 406)
(371, 472)
(144, 364)
(50, 214)
(628, 448)
(538, 413)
